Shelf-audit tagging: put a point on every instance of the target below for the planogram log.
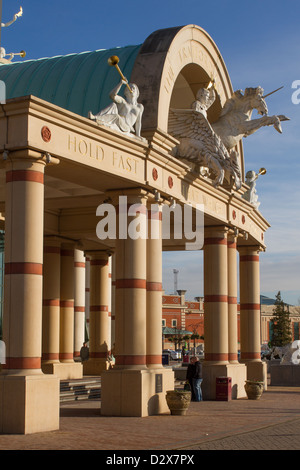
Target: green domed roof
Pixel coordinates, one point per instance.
(77, 82)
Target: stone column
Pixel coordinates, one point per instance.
(131, 288)
(51, 305)
(219, 294)
(250, 312)
(154, 287)
(99, 293)
(113, 301)
(131, 388)
(79, 301)
(72, 370)
(109, 303)
(87, 293)
(24, 389)
(232, 300)
(216, 297)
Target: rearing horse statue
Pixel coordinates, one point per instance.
(235, 121)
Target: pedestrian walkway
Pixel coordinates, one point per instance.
(273, 422)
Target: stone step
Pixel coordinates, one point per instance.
(80, 389)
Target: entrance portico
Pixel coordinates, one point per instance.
(60, 166)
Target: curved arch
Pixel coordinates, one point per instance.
(171, 66)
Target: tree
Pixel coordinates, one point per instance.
(282, 331)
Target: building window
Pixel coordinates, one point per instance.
(174, 323)
(163, 322)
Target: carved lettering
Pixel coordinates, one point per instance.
(85, 148)
(124, 163)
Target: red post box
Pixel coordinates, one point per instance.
(223, 388)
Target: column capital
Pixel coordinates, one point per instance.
(98, 254)
(250, 249)
(135, 195)
(216, 235)
(25, 156)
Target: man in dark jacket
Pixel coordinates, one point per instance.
(190, 376)
(197, 379)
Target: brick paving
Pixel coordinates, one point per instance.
(273, 422)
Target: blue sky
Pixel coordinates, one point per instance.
(260, 43)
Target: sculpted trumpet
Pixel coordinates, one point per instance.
(113, 61)
(262, 171)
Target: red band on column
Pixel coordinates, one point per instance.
(51, 302)
(24, 268)
(131, 283)
(67, 303)
(231, 244)
(25, 175)
(215, 241)
(99, 308)
(232, 300)
(249, 258)
(66, 356)
(79, 309)
(232, 356)
(154, 286)
(79, 264)
(250, 306)
(215, 298)
(50, 356)
(154, 359)
(22, 363)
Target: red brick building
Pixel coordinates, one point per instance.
(182, 317)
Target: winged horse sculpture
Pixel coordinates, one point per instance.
(212, 145)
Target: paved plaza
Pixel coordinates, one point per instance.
(271, 423)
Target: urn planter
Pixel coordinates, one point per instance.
(178, 401)
(254, 389)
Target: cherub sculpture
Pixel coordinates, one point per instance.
(124, 114)
(199, 143)
(251, 195)
(2, 50)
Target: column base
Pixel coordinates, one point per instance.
(95, 366)
(257, 370)
(29, 404)
(210, 372)
(64, 371)
(132, 392)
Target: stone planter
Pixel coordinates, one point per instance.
(178, 401)
(254, 389)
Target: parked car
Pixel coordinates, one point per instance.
(174, 355)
